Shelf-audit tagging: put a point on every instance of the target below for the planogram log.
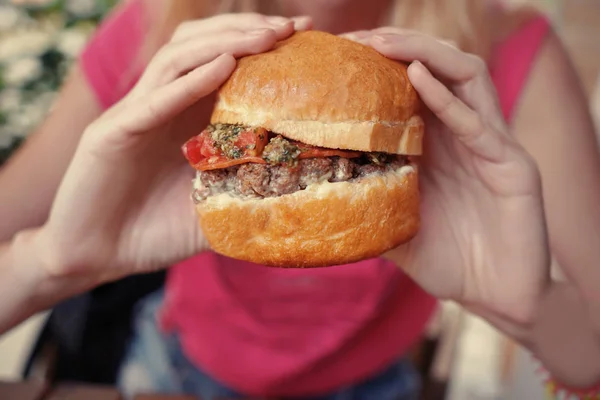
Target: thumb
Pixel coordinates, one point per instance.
(142, 114)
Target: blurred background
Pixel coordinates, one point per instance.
(40, 39)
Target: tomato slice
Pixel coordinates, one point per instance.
(252, 141)
(191, 150)
(209, 164)
(198, 148)
(208, 149)
(308, 151)
(203, 155)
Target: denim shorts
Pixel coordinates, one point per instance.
(155, 363)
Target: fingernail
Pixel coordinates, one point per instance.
(380, 38)
(354, 35)
(301, 18)
(356, 38)
(259, 32)
(277, 20)
(418, 64)
(302, 21)
(414, 66)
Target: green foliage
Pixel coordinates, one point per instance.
(53, 21)
(5, 152)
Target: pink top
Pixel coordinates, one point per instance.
(281, 332)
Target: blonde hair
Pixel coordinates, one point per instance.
(467, 23)
(464, 22)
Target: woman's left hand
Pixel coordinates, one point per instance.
(124, 205)
(483, 240)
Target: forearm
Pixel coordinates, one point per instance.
(25, 283)
(565, 337)
(562, 335)
(25, 203)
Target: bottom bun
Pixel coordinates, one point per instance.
(323, 225)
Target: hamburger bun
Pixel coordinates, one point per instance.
(330, 92)
(324, 225)
(326, 91)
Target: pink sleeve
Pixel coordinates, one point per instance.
(109, 59)
(513, 59)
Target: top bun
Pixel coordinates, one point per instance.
(326, 91)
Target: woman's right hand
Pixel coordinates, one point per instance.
(483, 238)
(124, 205)
(199, 41)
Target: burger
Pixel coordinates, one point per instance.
(307, 161)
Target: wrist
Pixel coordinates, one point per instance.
(518, 330)
(555, 389)
(564, 340)
(27, 263)
(34, 281)
(593, 311)
(21, 274)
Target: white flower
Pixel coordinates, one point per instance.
(71, 42)
(25, 121)
(45, 100)
(24, 44)
(21, 71)
(17, 124)
(5, 138)
(81, 7)
(51, 23)
(9, 18)
(30, 115)
(10, 100)
(37, 3)
(23, 118)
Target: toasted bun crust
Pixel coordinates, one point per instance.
(325, 224)
(326, 91)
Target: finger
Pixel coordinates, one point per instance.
(466, 124)
(168, 101)
(468, 73)
(356, 35)
(412, 32)
(365, 35)
(225, 22)
(177, 59)
(441, 59)
(303, 23)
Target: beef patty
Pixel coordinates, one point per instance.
(264, 180)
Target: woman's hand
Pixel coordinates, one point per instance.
(124, 205)
(483, 238)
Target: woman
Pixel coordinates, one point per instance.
(476, 288)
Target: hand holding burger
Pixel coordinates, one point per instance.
(483, 239)
(297, 174)
(307, 161)
(322, 171)
(310, 161)
(124, 205)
